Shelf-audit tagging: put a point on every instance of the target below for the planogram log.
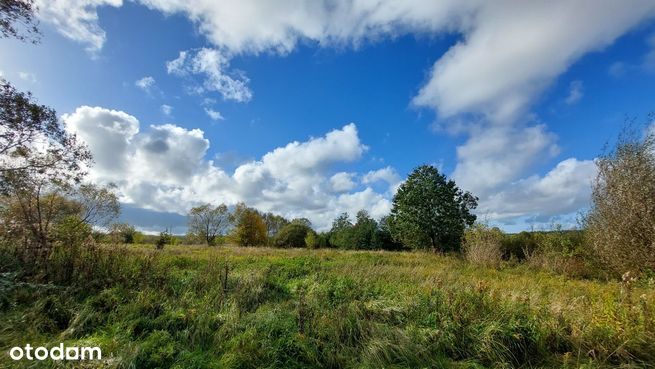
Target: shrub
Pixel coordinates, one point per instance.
(311, 240)
(123, 233)
(519, 246)
(165, 238)
(483, 245)
(621, 222)
(292, 235)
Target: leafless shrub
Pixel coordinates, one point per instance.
(621, 222)
(483, 245)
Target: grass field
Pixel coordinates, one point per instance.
(232, 307)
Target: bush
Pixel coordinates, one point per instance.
(292, 235)
(621, 222)
(165, 238)
(519, 246)
(311, 240)
(483, 245)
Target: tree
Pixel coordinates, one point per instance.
(431, 212)
(363, 232)
(620, 225)
(293, 234)
(21, 12)
(123, 233)
(340, 233)
(34, 147)
(274, 223)
(30, 216)
(250, 227)
(382, 238)
(209, 222)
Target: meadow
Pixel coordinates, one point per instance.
(247, 307)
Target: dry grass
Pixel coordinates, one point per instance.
(263, 307)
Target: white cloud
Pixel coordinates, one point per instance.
(342, 182)
(109, 134)
(508, 52)
(496, 155)
(213, 114)
(76, 19)
(213, 65)
(507, 57)
(576, 91)
(164, 168)
(146, 83)
(387, 174)
(565, 189)
(166, 109)
(28, 77)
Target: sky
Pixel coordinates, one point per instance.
(309, 108)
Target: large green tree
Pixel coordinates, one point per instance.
(250, 229)
(208, 222)
(430, 212)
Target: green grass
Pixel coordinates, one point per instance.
(296, 308)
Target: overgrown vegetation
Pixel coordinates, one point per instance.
(231, 307)
(550, 298)
(621, 223)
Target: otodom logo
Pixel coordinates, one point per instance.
(56, 353)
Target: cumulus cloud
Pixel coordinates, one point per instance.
(213, 65)
(576, 91)
(109, 134)
(164, 168)
(565, 189)
(77, 19)
(387, 174)
(496, 155)
(508, 52)
(342, 182)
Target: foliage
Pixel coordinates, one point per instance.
(233, 307)
(21, 12)
(312, 240)
(165, 238)
(35, 150)
(72, 230)
(340, 233)
(29, 218)
(250, 228)
(430, 211)
(274, 224)
(293, 235)
(483, 245)
(123, 233)
(208, 222)
(621, 222)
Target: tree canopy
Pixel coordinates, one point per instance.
(208, 222)
(21, 13)
(431, 212)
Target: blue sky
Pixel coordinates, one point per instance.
(513, 100)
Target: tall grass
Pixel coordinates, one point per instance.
(231, 307)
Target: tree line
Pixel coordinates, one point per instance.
(44, 201)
